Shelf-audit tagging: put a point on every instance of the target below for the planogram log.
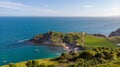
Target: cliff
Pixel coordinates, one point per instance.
(115, 33)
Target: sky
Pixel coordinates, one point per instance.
(85, 8)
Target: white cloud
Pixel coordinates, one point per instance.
(87, 6)
(13, 8)
(116, 9)
(11, 5)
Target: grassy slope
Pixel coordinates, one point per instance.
(92, 41)
(114, 63)
(46, 61)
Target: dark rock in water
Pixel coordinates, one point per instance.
(115, 33)
(99, 35)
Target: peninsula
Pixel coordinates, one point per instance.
(73, 40)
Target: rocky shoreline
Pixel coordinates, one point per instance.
(115, 33)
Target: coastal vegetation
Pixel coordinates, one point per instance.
(94, 57)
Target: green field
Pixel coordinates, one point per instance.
(92, 41)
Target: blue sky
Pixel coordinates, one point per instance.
(59, 7)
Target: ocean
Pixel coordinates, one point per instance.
(14, 31)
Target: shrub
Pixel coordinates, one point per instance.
(87, 54)
(41, 65)
(73, 56)
(80, 61)
(66, 56)
(72, 65)
(95, 49)
(68, 38)
(99, 55)
(29, 64)
(117, 63)
(52, 65)
(118, 54)
(62, 60)
(12, 65)
(109, 55)
(101, 60)
(32, 63)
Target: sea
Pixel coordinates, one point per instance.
(15, 31)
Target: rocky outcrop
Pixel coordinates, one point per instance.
(99, 35)
(115, 33)
(115, 39)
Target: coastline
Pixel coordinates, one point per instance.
(101, 40)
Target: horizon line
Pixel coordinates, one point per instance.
(59, 16)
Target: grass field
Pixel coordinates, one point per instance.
(92, 41)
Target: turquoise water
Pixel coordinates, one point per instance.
(15, 30)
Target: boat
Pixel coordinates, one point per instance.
(36, 50)
(4, 61)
